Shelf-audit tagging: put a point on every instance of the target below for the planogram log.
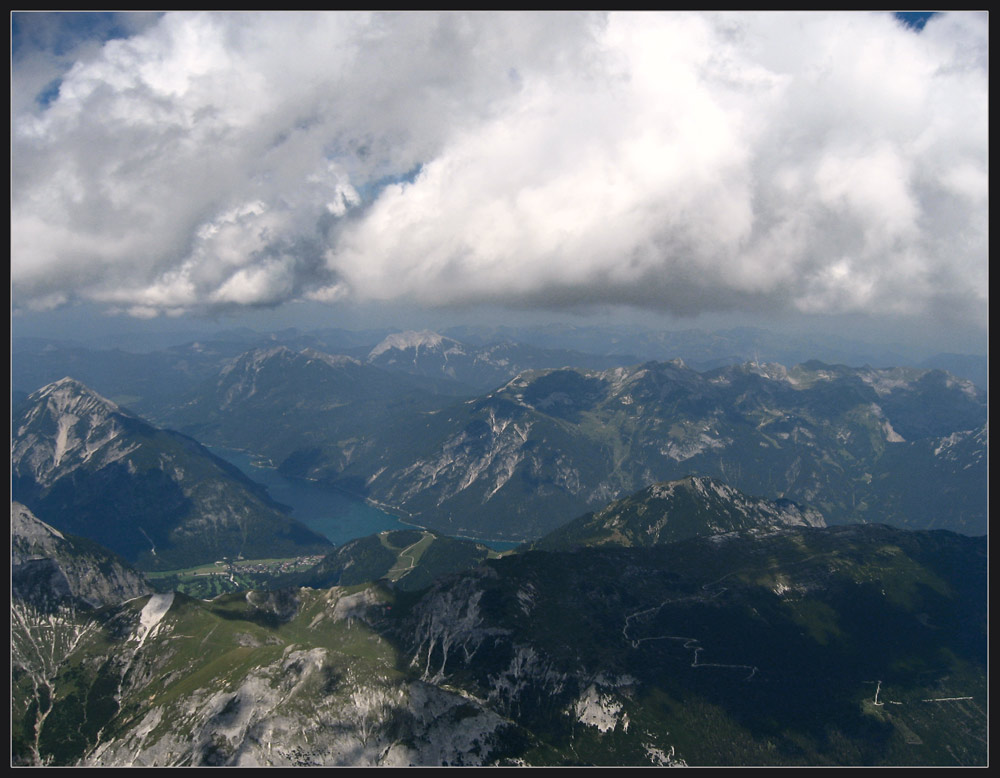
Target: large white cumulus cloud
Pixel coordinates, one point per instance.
(827, 163)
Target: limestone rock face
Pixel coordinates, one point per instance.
(49, 569)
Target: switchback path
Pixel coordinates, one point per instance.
(712, 590)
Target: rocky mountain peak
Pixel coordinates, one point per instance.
(67, 395)
(674, 510)
(404, 341)
(62, 426)
(93, 470)
(24, 524)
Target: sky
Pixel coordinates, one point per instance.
(769, 167)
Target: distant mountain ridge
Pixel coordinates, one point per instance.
(299, 406)
(551, 444)
(574, 439)
(708, 350)
(147, 379)
(479, 367)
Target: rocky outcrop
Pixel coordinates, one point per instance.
(50, 570)
(676, 510)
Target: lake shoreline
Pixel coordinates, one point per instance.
(249, 462)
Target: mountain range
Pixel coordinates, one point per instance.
(680, 599)
(516, 462)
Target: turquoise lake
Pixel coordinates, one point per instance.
(333, 513)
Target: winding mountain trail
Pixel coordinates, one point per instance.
(691, 643)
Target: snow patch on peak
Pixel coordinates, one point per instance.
(63, 385)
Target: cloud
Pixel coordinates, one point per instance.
(823, 163)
